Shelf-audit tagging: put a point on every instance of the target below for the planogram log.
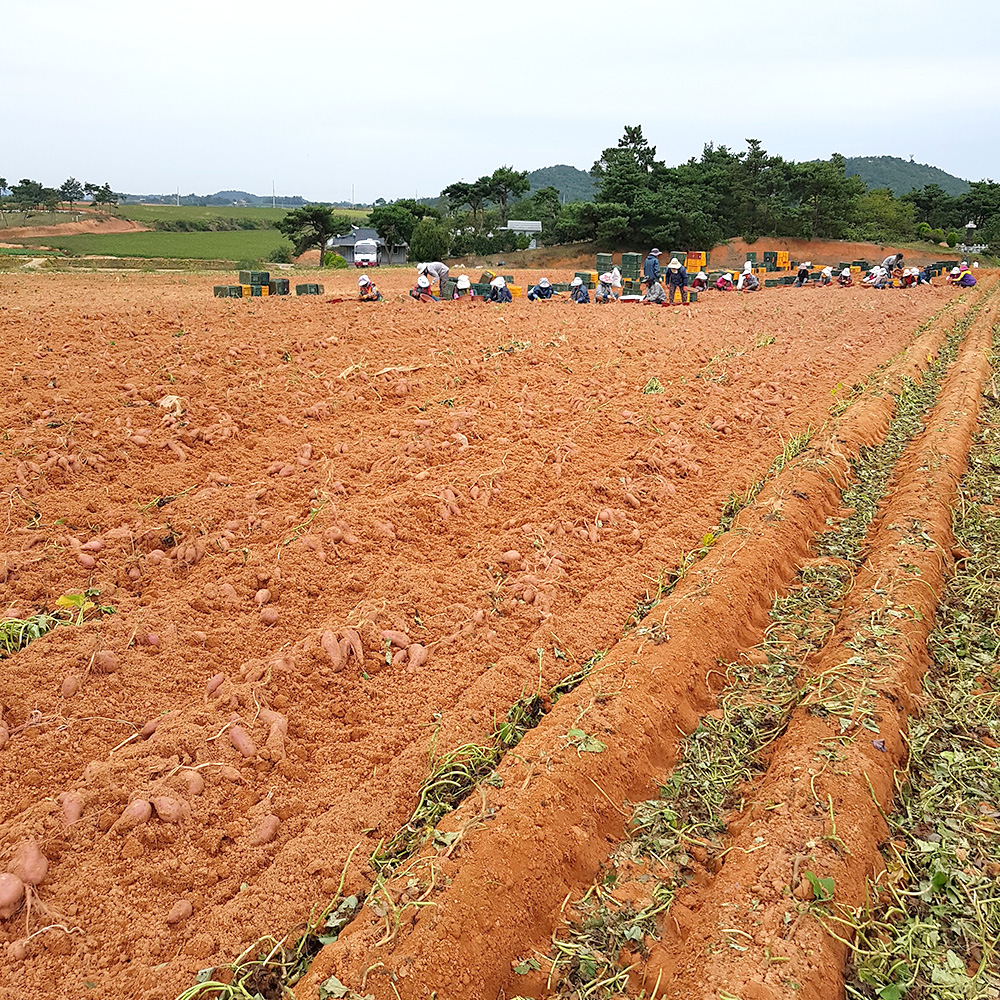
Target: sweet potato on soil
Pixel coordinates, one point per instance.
(28, 863)
(136, 813)
(265, 832)
(11, 894)
(240, 739)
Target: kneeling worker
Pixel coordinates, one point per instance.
(422, 292)
(543, 290)
(655, 295)
(605, 291)
(844, 279)
(499, 292)
(578, 291)
(367, 292)
(700, 282)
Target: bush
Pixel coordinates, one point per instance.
(430, 241)
(936, 235)
(923, 230)
(335, 261)
(281, 254)
(952, 238)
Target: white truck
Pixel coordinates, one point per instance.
(366, 253)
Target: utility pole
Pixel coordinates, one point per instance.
(272, 194)
(177, 197)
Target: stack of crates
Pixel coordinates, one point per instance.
(752, 257)
(253, 284)
(605, 262)
(631, 266)
(486, 277)
(560, 286)
(589, 278)
(781, 260)
(448, 288)
(481, 288)
(632, 286)
(770, 260)
(860, 264)
(697, 260)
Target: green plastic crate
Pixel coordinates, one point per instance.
(278, 286)
(228, 291)
(309, 289)
(254, 277)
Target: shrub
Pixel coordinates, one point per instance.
(281, 254)
(335, 261)
(937, 235)
(430, 241)
(952, 238)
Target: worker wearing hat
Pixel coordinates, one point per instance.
(747, 269)
(435, 272)
(422, 291)
(826, 277)
(463, 287)
(499, 292)
(367, 292)
(700, 281)
(651, 268)
(578, 290)
(677, 278)
(724, 283)
(892, 263)
(802, 274)
(605, 291)
(655, 295)
(542, 291)
(844, 279)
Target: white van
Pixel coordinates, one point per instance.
(366, 253)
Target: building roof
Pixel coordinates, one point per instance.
(524, 226)
(356, 234)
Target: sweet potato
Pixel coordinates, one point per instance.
(213, 685)
(28, 863)
(180, 911)
(106, 661)
(72, 806)
(136, 813)
(353, 640)
(240, 739)
(11, 894)
(396, 638)
(70, 686)
(265, 832)
(169, 809)
(417, 654)
(330, 645)
(269, 616)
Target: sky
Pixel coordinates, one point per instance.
(335, 101)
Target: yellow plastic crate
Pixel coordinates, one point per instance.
(516, 291)
(855, 269)
(264, 290)
(594, 276)
(246, 291)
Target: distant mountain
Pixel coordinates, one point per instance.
(241, 198)
(572, 183)
(901, 176)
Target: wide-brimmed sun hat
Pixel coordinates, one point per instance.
(654, 252)
(364, 280)
(955, 270)
(498, 282)
(463, 281)
(422, 282)
(606, 277)
(674, 264)
(846, 273)
(543, 282)
(577, 281)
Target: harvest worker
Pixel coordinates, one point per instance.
(750, 282)
(605, 290)
(655, 295)
(367, 291)
(651, 269)
(924, 276)
(965, 279)
(578, 290)
(844, 279)
(725, 282)
(463, 287)
(700, 282)
(892, 263)
(802, 275)
(909, 277)
(499, 292)
(422, 293)
(747, 269)
(826, 278)
(543, 290)
(677, 279)
(435, 271)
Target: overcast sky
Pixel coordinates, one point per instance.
(396, 99)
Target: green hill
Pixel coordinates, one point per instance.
(901, 176)
(572, 183)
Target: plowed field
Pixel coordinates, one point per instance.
(388, 616)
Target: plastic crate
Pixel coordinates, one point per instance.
(309, 289)
(228, 291)
(254, 277)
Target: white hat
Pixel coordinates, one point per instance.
(701, 274)
(846, 273)
(965, 263)
(748, 266)
(606, 277)
(955, 270)
(674, 264)
(654, 252)
(423, 282)
(806, 263)
(364, 280)
(463, 281)
(577, 281)
(421, 268)
(498, 282)
(543, 282)
(728, 276)
(828, 270)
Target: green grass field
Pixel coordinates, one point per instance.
(249, 244)
(150, 213)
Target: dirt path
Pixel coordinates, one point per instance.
(241, 478)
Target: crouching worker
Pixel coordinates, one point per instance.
(655, 295)
(677, 279)
(605, 291)
(963, 279)
(578, 291)
(700, 282)
(499, 292)
(924, 276)
(463, 287)
(750, 282)
(422, 292)
(802, 275)
(826, 278)
(844, 279)
(724, 282)
(367, 292)
(543, 291)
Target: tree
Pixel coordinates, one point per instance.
(394, 223)
(430, 241)
(312, 226)
(71, 191)
(3, 187)
(26, 194)
(506, 183)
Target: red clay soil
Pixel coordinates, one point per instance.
(240, 478)
(809, 813)
(538, 840)
(87, 224)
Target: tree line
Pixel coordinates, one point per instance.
(30, 196)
